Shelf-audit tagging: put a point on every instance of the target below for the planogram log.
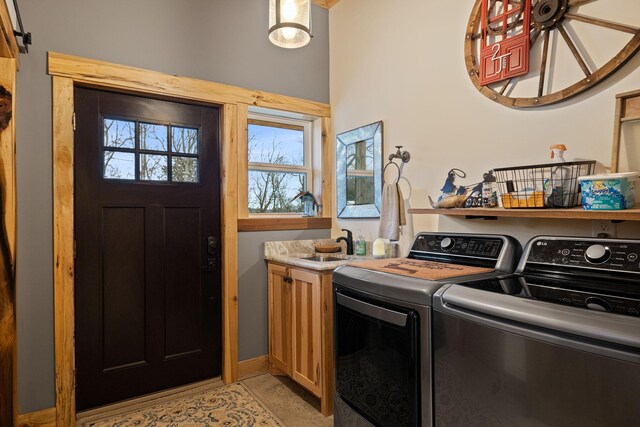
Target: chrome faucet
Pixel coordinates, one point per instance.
(348, 239)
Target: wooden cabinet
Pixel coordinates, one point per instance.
(279, 318)
(300, 329)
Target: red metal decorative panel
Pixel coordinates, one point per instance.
(504, 52)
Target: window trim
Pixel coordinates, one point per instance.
(279, 121)
(323, 167)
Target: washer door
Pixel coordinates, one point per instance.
(493, 370)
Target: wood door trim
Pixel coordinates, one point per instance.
(9, 44)
(8, 340)
(41, 418)
(243, 161)
(63, 229)
(120, 77)
(229, 232)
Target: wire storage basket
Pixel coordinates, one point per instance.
(550, 185)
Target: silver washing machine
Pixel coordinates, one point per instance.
(557, 344)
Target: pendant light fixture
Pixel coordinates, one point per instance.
(290, 23)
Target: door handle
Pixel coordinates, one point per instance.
(210, 267)
(212, 245)
(374, 311)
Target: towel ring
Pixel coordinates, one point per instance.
(408, 184)
(397, 167)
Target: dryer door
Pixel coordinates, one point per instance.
(377, 365)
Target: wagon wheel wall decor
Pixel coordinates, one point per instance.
(528, 53)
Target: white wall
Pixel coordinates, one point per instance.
(402, 62)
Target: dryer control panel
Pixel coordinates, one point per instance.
(612, 255)
(458, 245)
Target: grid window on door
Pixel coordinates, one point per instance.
(141, 151)
(279, 165)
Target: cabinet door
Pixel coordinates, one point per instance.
(280, 318)
(306, 330)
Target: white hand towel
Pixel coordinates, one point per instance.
(392, 215)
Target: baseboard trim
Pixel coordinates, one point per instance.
(41, 418)
(253, 367)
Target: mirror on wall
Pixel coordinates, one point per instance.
(359, 172)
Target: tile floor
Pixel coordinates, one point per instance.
(295, 406)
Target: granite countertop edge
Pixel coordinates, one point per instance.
(295, 260)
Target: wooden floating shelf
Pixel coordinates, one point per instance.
(572, 213)
(630, 119)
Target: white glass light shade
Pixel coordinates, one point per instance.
(290, 23)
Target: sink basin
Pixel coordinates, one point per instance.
(324, 258)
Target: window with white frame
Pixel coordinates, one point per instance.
(280, 164)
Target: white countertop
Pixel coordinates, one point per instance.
(291, 253)
(298, 261)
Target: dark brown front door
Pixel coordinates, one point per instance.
(147, 227)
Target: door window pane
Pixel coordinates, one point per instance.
(153, 137)
(119, 165)
(184, 169)
(119, 133)
(153, 167)
(129, 144)
(278, 145)
(184, 140)
(271, 192)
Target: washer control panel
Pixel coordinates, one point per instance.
(606, 255)
(577, 298)
(469, 246)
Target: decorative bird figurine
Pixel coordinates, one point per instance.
(309, 202)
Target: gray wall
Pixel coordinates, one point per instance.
(253, 334)
(217, 40)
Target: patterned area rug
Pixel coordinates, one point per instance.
(229, 406)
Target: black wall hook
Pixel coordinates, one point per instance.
(26, 37)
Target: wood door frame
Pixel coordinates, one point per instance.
(8, 338)
(67, 71)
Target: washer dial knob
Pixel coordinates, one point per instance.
(447, 244)
(597, 254)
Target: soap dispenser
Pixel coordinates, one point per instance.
(558, 189)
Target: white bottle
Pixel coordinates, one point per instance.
(557, 153)
(378, 248)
